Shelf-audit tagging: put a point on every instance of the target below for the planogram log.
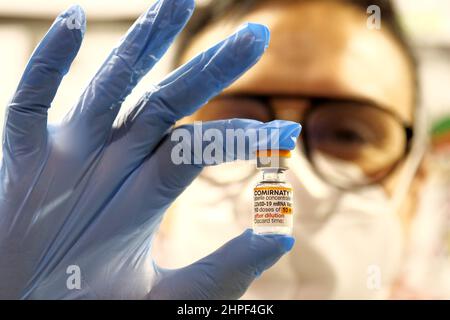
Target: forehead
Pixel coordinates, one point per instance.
(320, 48)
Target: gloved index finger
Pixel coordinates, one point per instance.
(170, 170)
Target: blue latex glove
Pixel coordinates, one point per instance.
(86, 197)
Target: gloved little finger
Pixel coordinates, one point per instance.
(26, 118)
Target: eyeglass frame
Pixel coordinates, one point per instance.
(314, 104)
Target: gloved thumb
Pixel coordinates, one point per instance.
(227, 272)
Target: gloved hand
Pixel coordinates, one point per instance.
(86, 198)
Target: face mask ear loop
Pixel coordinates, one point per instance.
(413, 161)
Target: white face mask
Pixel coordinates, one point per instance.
(349, 244)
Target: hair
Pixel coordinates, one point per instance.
(217, 9)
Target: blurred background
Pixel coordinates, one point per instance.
(24, 22)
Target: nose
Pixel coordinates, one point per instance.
(288, 108)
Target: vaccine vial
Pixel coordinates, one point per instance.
(272, 196)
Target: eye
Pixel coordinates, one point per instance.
(343, 137)
(348, 136)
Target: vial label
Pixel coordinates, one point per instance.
(272, 209)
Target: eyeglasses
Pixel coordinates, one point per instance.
(349, 143)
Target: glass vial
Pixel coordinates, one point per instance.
(273, 210)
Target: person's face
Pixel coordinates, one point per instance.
(323, 50)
